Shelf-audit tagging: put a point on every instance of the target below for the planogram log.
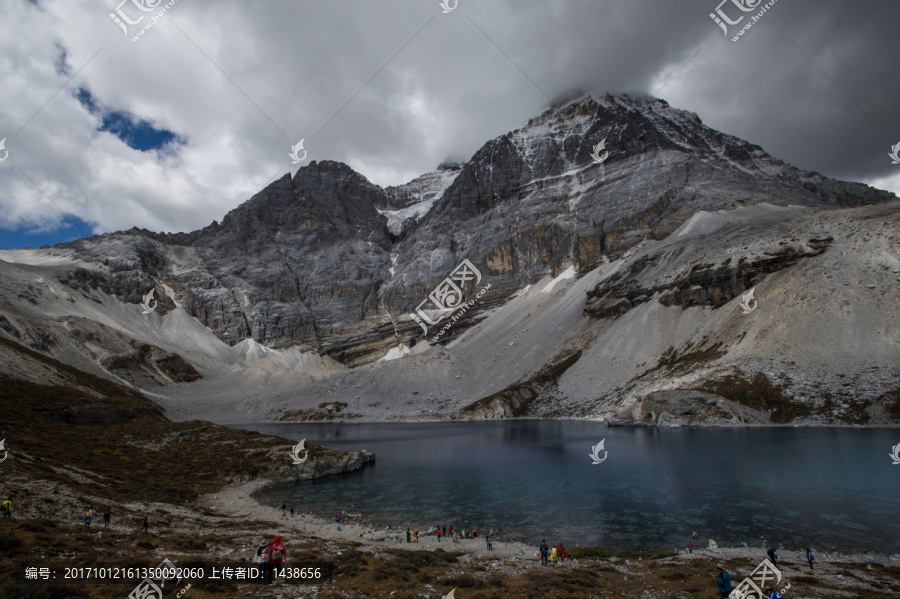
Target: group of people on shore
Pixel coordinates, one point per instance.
(270, 560)
(340, 516)
(553, 555)
(107, 518)
(6, 512)
(444, 531)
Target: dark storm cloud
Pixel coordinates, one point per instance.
(393, 87)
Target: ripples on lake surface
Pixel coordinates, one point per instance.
(532, 479)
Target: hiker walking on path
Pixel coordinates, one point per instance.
(277, 553)
(292, 511)
(545, 552)
(283, 508)
(438, 533)
(451, 530)
(810, 557)
(145, 525)
(408, 536)
(6, 508)
(690, 547)
(772, 556)
(724, 582)
(490, 543)
(106, 516)
(262, 559)
(554, 555)
(88, 515)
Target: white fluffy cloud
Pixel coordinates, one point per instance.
(394, 87)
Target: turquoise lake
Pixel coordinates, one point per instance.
(530, 479)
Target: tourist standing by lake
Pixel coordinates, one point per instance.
(88, 515)
(545, 552)
(277, 553)
(810, 557)
(262, 560)
(723, 582)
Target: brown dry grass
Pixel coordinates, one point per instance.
(146, 458)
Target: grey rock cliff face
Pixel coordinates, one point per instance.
(532, 202)
(421, 189)
(309, 261)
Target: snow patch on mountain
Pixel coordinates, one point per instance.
(395, 353)
(566, 274)
(432, 191)
(52, 257)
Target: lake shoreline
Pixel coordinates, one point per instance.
(238, 501)
(586, 420)
(531, 477)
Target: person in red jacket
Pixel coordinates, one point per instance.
(438, 533)
(277, 553)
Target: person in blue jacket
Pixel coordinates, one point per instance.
(724, 581)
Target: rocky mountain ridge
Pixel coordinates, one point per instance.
(311, 262)
(312, 276)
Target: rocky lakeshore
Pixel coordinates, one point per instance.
(225, 527)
